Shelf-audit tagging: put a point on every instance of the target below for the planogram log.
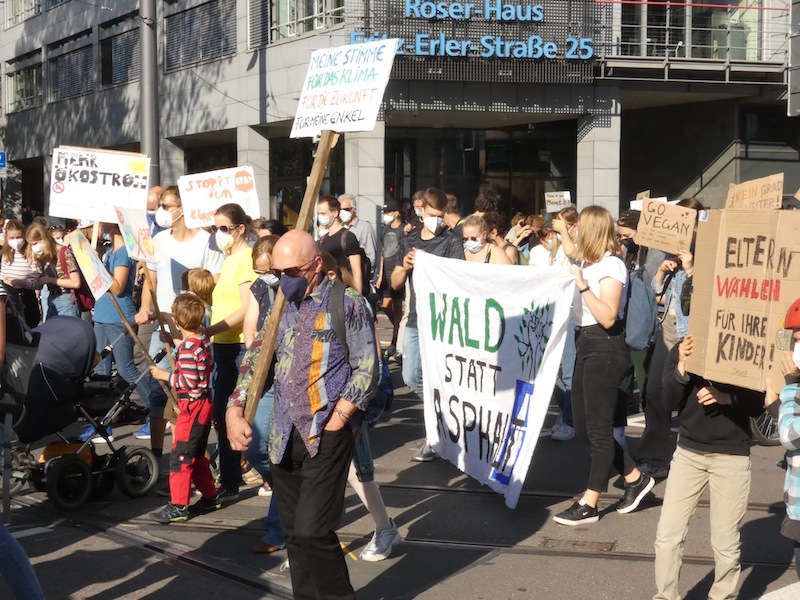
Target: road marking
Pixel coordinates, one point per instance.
(347, 551)
(29, 532)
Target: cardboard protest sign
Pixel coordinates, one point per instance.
(555, 201)
(491, 339)
(643, 195)
(766, 192)
(203, 193)
(665, 226)
(87, 183)
(135, 231)
(639, 204)
(343, 89)
(746, 276)
(95, 274)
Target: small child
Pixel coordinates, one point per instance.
(190, 381)
(201, 283)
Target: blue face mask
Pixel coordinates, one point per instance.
(294, 287)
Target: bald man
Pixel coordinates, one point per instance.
(322, 387)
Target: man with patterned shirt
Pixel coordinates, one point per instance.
(320, 398)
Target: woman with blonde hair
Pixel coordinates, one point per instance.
(602, 358)
(59, 271)
(477, 246)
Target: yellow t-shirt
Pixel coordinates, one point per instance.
(236, 270)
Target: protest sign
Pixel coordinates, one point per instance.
(86, 183)
(643, 195)
(639, 204)
(766, 192)
(491, 339)
(95, 274)
(135, 232)
(746, 277)
(343, 88)
(666, 226)
(555, 201)
(203, 193)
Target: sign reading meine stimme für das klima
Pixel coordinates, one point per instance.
(552, 41)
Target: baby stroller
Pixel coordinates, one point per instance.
(42, 386)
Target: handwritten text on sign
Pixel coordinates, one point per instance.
(136, 234)
(665, 226)
(343, 89)
(555, 201)
(95, 274)
(766, 192)
(203, 193)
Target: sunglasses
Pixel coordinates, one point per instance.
(293, 271)
(224, 228)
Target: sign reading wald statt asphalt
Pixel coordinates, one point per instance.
(343, 89)
(86, 183)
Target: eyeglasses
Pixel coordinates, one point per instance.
(260, 272)
(293, 271)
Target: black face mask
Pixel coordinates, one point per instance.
(629, 244)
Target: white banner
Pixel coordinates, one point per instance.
(491, 339)
(203, 193)
(343, 88)
(86, 183)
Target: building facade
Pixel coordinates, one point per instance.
(603, 98)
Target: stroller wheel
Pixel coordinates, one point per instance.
(69, 481)
(137, 472)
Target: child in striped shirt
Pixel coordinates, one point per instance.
(188, 463)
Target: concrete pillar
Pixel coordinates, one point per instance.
(363, 170)
(47, 166)
(252, 149)
(172, 162)
(599, 137)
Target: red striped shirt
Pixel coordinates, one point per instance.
(192, 375)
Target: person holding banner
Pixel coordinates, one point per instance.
(59, 271)
(230, 301)
(477, 247)
(601, 362)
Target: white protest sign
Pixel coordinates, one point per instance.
(639, 204)
(86, 183)
(555, 201)
(135, 232)
(203, 193)
(344, 88)
(491, 339)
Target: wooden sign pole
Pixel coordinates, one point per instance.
(327, 142)
(148, 280)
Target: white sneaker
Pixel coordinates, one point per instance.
(562, 433)
(381, 544)
(264, 492)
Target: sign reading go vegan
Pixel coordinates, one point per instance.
(203, 193)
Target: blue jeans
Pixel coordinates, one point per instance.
(156, 396)
(412, 361)
(109, 333)
(564, 381)
(257, 454)
(16, 568)
(62, 304)
(227, 360)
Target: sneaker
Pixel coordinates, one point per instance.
(171, 513)
(381, 544)
(635, 493)
(206, 505)
(90, 433)
(265, 491)
(424, 454)
(577, 514)
(228, 495)
(562, 433)
(389, 352)
(144, 432)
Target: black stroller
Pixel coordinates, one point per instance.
(42, 386)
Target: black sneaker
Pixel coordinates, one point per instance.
(206, 505)
(171, 513)
(635, 493)
(577, 514)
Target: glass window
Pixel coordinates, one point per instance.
(296, 17)
(205, 32)
(71, 74)
(258, 23)
(631, 30)
(120, 58)
(19, 10)
(25, 88)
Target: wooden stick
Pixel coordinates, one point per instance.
(148, 278)
(326, 143)
(95, 234)
(172, 403)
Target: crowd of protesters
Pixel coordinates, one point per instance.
(207, 298)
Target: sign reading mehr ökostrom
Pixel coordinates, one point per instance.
(343, 89)
(491, 339)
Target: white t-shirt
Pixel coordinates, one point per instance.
(175, 258)
(609, 266)
(540, 257)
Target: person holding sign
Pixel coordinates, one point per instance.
(59, 271)
(601, 362)
(230, 301)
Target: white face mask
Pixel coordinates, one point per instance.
(473, 246)
(433, 224)
(388, 219)
(418, 212)
(16, 244)
(324, 220)
(270, 279)
(558, 237)
(796, 354)
(345, 215)
(37, 248)
(61, 242)
(224, 240)
(163, 218)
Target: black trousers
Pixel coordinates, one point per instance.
(601, 361)
(310, 494)
(657, 445)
